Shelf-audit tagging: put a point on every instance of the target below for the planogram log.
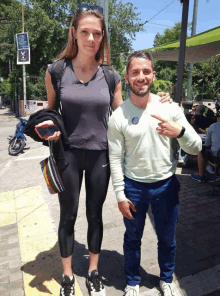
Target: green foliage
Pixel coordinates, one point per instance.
(206, 76)
(47, 23)
(168, 36)
(5, 88)
(167, 70)
(36, 90)
(161, 85)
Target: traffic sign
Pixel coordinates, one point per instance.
(23, 49)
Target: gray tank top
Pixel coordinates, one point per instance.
(85, 108)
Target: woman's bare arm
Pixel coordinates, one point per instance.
(51, 97)
(51, 94)
(117, 97)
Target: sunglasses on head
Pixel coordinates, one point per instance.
(87, 7)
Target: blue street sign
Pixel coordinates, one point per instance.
(22, 40)
(23, 49)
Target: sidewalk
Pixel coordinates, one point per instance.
(29, 254)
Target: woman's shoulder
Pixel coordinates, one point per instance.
(57, 66)
(111, 72)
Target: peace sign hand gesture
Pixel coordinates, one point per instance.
(167, 128)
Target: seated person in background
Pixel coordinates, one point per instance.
(212, 141)
(184, 159)
(201, 121)
(199, 130)
(210, 115)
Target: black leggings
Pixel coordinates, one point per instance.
(97, 174)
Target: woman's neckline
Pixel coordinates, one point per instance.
(71, 64)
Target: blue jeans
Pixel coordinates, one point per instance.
(163, 196)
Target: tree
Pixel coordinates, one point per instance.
(206, 74)
(47, 25)
(168, 36)
(167, 70)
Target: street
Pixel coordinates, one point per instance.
(29, 220)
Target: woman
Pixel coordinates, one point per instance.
(196, 128)
(85, 100)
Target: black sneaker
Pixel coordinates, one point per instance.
(94, 284)
(67, 286)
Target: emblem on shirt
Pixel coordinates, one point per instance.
(135, 120)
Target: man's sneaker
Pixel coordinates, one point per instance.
(217, 179)
(94, 284)
(131, 290)
(167, 288)
(196, 177)
(67, 286)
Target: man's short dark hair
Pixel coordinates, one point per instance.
(139, 54)
(200, 109)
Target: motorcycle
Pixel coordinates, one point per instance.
(17, 142)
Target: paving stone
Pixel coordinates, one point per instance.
(12, 286)
(4, 266)
(5, 293)
(8, 229)
(9, 259)
(13, 239)
(14, 251)
(18, 292)
(3, 254)
(5, 246)
(16, 276)
(5, 279)
(15, 263)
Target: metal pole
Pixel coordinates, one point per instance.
(190, 66)
(23, 66)
(182, 50)
(105, 5)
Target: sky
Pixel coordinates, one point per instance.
(208, 17)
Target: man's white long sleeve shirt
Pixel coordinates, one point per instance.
(136, 149)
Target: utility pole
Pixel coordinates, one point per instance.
(182, 50)
(190, 66)
(24, 66)
(105, 5)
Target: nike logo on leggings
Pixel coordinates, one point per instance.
(104, 165)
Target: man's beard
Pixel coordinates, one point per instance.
(138, 92)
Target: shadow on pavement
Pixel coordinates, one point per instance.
(47, 266)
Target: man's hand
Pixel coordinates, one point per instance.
(167, 128)
(164, 97)
(124, 207)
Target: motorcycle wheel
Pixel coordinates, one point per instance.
(16, 146)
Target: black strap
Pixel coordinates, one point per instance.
(110, 79)
(56, 75)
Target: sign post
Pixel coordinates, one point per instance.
(23, 58)
(105, 5)
(23, 49)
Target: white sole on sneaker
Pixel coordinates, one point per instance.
(101, 293)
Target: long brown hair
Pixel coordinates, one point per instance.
(71, 48)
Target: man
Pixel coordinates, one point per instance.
(212, 141)
(201, 121)
(143, 168)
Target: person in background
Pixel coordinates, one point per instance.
(143, 166)
(201, 120)
(199, 130)
(85, 100)
(212, 141)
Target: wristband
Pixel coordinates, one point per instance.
(181, 133)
